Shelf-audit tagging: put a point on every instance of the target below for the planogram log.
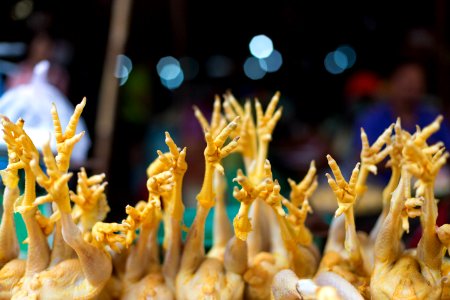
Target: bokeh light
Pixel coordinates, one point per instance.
(170, 72)
(253, 69)
(349, 53)
(168, 68)
(330, 64)
(123, 68)
(340, 59)
(22, 9)
(272, 63)
(261, 46)
(175, 82)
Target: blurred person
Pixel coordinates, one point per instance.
(42, 47)
(360, 91)
(405, 97)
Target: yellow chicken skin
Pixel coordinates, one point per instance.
(264, 266)
(11, 268)
(347, 252)
(289, 242)
(266, 252)
(38, 257)
(90, 204)
(292, 241)
(144, 277)
(255, 136)
(222, 229)
(65, 142)
(201, 276)
(405, 274)
(304, 255)
(350, 262)
(81, 278)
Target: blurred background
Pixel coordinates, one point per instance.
(143, 64)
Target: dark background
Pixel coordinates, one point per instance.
(303, 31)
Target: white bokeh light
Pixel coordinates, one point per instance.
(261, 46)
(123, 68)
(170, 72)
(167, 61)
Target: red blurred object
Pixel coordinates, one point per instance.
(362, 84)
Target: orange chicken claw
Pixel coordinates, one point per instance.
(65, 141)
(218, 123)
(351, 262)
(371, 156)
(215, 151)
(265, 124)
(398, 272)
(211, 276)
(345, 192)
(11, 268)
(246, 128)
(90, 200)
(92, 267)
(305, 188)
(246, 195)
(9, 247)
(24, 150)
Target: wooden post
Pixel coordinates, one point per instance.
(106, 110)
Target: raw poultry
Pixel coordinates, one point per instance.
(267, 252)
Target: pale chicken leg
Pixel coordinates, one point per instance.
(199, 275)
(266, 264)
(11, 268)
(38, 250)
(289, 236)
(65, 142)
(402, 274)
(334, 251)
(144, 276)
(222, 232)
(305, 255)
(265, 124)
(395, 163)
(325, 286)
(81, 278)
(9, 247)
(348, 260)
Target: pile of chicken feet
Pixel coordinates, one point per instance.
(267, 252)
